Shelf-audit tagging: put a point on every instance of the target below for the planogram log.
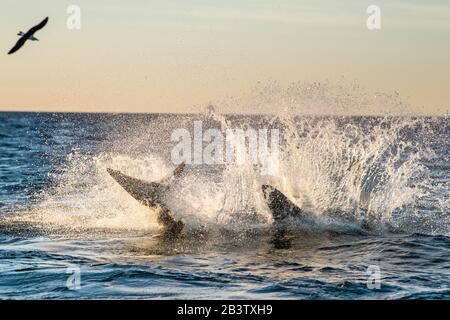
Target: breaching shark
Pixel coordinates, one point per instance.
(151, 194)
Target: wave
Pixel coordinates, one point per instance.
(385, 173)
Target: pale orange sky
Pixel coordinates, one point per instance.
(166, 56)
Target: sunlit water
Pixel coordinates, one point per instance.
(377, 189)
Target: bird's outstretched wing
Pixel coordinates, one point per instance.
(37, 27)
(18, 45)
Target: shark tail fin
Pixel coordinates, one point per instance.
(150, 194)
(143, 191)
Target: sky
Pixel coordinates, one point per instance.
(170, 55)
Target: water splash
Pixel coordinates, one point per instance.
(374, 172)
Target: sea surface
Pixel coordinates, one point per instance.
(377, 189)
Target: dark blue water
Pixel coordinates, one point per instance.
(379, 189)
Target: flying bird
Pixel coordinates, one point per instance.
(28, 36)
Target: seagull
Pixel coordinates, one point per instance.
(28, 36)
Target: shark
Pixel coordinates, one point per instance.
(152, 195)
(281, 207)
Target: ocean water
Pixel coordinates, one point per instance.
(377, 189)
